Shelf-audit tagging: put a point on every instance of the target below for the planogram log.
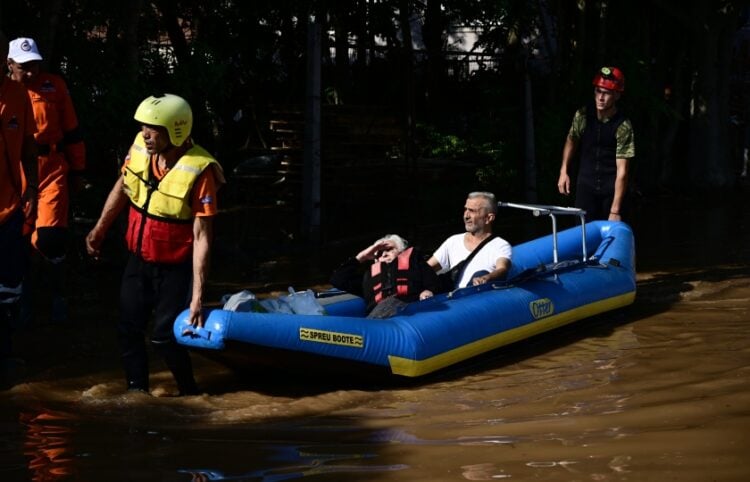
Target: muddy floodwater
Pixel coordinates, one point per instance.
(658, 391)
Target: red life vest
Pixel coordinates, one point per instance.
(160, 222)
(385, 282)
(158, 240)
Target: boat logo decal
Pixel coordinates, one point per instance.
(331, 337)
(541, 308)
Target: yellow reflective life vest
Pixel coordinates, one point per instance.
(160, 227)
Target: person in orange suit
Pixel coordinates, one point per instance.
(61, 161)
(18, 189)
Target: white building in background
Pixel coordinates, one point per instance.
(463, 50)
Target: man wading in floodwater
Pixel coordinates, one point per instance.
(170, 184)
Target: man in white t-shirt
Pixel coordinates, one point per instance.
(492, 262)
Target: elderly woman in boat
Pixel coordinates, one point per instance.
(388, 274)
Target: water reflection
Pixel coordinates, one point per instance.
(48, 445)
(302, 464)
(358, 453)
(658, 391)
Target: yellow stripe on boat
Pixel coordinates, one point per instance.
(414, 368)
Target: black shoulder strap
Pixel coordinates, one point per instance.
(479, 248)
(476, 250)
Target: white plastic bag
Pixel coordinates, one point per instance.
(242, 301)
(304, 302)
(295, 303)
(276, 305)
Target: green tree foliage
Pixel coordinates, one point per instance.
(233, 60)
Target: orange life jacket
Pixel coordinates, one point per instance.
(385, 281)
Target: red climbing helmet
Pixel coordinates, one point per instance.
(610, 78)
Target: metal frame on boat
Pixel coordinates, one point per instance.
(553, 282)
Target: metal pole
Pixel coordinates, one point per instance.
(553, 212)
(583, 234)
(554, 238)
(311, 172)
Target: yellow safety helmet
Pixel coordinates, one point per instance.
(170, 111)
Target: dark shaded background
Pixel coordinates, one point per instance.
(411, 118)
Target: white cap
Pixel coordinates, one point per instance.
(22, 50)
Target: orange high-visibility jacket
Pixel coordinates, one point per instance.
(16, 122)
(56, 120)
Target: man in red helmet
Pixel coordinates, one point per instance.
(605, 137)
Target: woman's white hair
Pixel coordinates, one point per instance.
(401, 243)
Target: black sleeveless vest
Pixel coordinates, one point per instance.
(598, 167)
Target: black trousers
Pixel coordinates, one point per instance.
(161, 290)
(13, 257)
(597, 204)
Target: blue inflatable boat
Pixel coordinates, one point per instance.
(555, 280)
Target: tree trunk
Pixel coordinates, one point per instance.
(407, 53)
(342, 53)
(47, 37)
(130, 38)
(433, 38)
(601, 41)
(363, 43)
(170, 22)
(529, 149)
(669, 158)
(408, 72)
(312, 162)
(709, 160)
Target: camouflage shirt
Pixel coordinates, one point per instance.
(625, 140)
